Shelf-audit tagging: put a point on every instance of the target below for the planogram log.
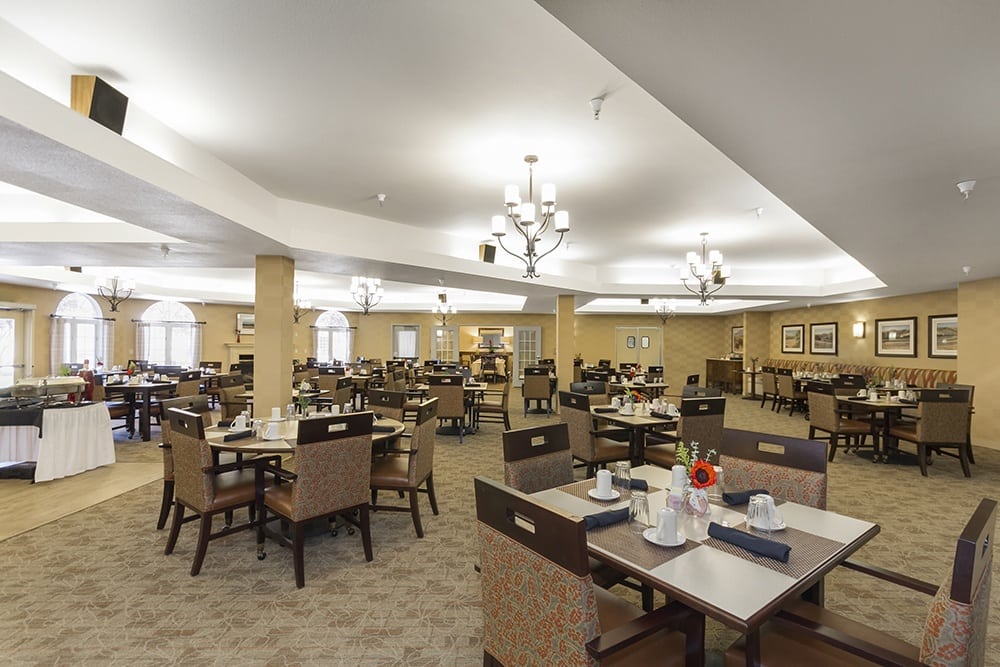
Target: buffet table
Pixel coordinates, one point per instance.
(73, 439)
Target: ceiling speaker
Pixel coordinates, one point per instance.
(97, 100)
(487, 253)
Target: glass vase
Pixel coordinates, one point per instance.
(696, 502)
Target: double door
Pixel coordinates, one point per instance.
(639, 345)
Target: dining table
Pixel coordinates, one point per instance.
(139, 397)
(637, 424)
(655, 388)
(712, 576)
(384, 430)
(891, 408)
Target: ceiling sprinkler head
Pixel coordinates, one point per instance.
(966, 269)
(966, 187)
(596, 105)
(380, 197)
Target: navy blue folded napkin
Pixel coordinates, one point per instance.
(639, 484)
(740, 497)
(758, 545)
(239, 435)
(606, 409)
(225, 424)
(907, 401)
(662, 415)
(379, 415)
(377, 428)
(605, 518)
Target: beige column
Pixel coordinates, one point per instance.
(565, 341)
(273, 345)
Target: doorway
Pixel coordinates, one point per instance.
(16, 322)
(639, 345)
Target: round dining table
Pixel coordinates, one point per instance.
(384, 431)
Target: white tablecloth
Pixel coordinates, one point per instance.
(74, 440)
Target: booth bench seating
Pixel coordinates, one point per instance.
(917, 377)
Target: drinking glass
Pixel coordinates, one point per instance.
(638, 512)
(623, 478)
(761, 513)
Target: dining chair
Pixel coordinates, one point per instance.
(344, 391)
(941, 424)
(204, 488)
(701, 420)
(693, 379)
(827, 414)
(769, 385)
(452, 403)
(591, 449)
(788, 468)
(407, 470)
(598, 391)
(694, 391)
(954, 634)
(492, 411)
(229, 405)
(788, 394)
(536, 578)
(387, 403)
(538, 458)
(537, 387)
(197, 404)
(188, 384)
(972, 410)
(596, 376)
(118, 409)
(332, 478)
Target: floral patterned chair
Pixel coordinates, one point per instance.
(196, 404)
(541, 606)
(954, 633)
(332, 475)
(788, 468)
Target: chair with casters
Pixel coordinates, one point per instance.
(495, 411)
(204, 488)
(588, 447)
(537, 387)
(701, 420)
(790, 469)
(955, 632)
(941, 425)
(407, 470)
(197, 404)
(539, 458)
(332, 478)
(536, 578)
(826, 414)
(452, 403)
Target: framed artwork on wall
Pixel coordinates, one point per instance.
(942, 336)
(736, 336)
(823, 338)
(244, 324)
(896, 338)
(793, 338)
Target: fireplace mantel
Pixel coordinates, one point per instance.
(236, 349)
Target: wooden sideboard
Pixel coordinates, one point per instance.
(724, 373)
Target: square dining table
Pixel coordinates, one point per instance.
(722, 581)
(637, 425)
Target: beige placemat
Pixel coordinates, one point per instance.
(619, 539)
(580, 489)
(807, 551)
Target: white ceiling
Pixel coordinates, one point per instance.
(269, 127)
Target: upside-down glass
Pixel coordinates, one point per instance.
(623, 479)
(638, 512)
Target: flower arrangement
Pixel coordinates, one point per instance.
(700, 472)
(304, 386)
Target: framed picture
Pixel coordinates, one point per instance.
(793, 338)
(244, 324)
(492, 336)
(823, 338)
(942, 336)
(896, 338)
(736, 340)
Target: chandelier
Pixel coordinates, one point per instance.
(708, 270)
(300, 306)
(115, 290)
(367, 292)
(442, 309)
(522, 214)
(665, 309)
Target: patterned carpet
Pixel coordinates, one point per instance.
(94, 588)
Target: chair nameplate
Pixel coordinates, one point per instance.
(333, 428)
(770, 448)
(539, 441)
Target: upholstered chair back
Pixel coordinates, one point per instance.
(788, 468)
(702, 421)
(450, 392)
(422, 441)
(388, 403)
(823, 412)
(230, 406)
(191, 455)
(537, 458)
(197, 404)
(575, 412)
(942, 415)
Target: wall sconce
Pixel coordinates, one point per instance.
(858, 329)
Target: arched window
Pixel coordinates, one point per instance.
(167, 334)
(80, 332)
(333, 338)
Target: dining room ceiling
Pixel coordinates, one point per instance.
(818, 145)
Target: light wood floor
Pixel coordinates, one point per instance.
(24, 506)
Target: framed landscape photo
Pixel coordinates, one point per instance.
(896, 338)
(737, 340)
(244, 324)
(793, 338)
(823, 338)
(942, 336)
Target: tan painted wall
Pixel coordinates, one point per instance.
(979, 319)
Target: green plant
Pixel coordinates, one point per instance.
(688, 455)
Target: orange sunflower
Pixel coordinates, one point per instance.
(702, 474)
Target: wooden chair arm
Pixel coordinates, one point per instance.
(865, 648)
(394, 450)
(891, 577)
(673, 616)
